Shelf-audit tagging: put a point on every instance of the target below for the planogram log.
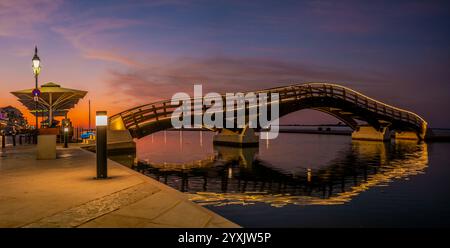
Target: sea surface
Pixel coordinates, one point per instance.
(304, 180)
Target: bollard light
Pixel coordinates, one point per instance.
(101, 123)
(66, 137)
(101, 119)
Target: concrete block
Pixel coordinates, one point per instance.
(46, 146)
(227, 137)
(406, 136)
(370, 133)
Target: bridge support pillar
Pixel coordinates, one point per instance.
(120, 140)
(370, 133)
(406, 135)
(245, 155)
(244, 137)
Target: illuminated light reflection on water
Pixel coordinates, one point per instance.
(263, 186)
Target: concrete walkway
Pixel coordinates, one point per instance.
(63, 193)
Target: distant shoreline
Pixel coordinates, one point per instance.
(435, 134)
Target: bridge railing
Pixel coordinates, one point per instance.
(144, 114)
(375, 106)
(297, 92)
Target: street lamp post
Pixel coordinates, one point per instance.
(101, 123)
(36, 65)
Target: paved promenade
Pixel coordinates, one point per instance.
(63, 193)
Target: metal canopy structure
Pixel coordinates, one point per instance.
(53, 100)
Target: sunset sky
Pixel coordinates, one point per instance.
(128, 53)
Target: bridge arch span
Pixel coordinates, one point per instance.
(339, 101)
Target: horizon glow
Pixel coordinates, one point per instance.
(128, 54)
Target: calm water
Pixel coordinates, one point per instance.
(305, 180)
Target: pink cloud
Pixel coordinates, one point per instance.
(89, 38)
(220, 74)
(110, 56)
(21, 17)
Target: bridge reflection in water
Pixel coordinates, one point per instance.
(239, 176)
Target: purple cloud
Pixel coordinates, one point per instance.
(221, 74)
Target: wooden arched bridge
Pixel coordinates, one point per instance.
(348, 105)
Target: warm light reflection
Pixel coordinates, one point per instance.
(167, 166)
(234, 175)
(230, 172)
(181, 140)
(414, 163)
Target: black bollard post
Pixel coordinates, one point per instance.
(3, 141)
(20, 139)
(14, 139)
(101, 121)
(66, 136)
